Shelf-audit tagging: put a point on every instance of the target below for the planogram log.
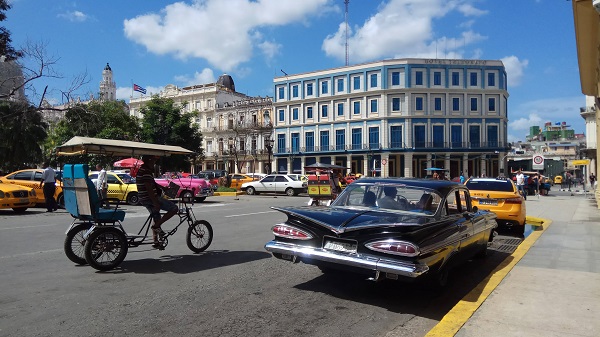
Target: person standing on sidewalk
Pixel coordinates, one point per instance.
(521, 184)
(102, 186)
(49, 184)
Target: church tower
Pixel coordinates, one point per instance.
(108, 88)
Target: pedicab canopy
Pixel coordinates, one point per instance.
(321, 166)
(116, 148)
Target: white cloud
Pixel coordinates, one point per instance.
(74, 16)
(468, 10)
(212, 30)
(538, 112)
(514, 69)
(269, 49)
(404, 28)
(203, 77)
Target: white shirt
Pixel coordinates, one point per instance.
(520, 179)
(101, 182)
(49, 176)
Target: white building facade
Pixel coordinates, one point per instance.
(234, 126)
(394, 118)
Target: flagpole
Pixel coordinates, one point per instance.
(131, 89)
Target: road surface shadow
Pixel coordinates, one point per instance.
(189, 263)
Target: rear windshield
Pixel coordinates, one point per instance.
(488, 185)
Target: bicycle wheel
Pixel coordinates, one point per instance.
(75, 243)
(106, 248)
(199, 236)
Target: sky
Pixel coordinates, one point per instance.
(156, 43)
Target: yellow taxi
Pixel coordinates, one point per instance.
(558, 180)
(499, 195)
(31, 178)
(237, 179)
(17, 197)
(121, 186)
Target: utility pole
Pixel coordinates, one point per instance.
(346, 2)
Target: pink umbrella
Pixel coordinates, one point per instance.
(128, 163)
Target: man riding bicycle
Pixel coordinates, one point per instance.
(150, 198)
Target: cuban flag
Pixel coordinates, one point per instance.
(138, 88)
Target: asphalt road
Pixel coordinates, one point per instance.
(235, 288)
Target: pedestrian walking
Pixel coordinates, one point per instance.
(49, 187)
(102, 186)
(521, 184)
(593, 181)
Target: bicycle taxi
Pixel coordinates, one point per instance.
(323, 183)
(96, 236)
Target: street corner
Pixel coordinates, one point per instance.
(458, 316)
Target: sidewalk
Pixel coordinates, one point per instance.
(554, 290)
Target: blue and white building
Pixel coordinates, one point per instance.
(394, 117)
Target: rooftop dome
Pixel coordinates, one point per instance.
(226, 81)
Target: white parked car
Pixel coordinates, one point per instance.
(275, 183)
(300, 177)
(256, 176)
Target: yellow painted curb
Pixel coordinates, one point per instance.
(466, 307)
(228, 194)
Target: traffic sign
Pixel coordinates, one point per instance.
(538, 162)
(383, 161)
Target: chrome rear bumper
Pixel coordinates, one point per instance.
(362, 261)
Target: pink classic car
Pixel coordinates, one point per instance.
(188, 187)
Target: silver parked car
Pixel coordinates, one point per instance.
(275, 183)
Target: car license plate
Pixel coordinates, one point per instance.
(340, 246)
(24, 201)
(492, 202)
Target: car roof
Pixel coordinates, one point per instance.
(442, 186)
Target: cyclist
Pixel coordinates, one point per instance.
(148, 191)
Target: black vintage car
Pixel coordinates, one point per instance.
(394, 228)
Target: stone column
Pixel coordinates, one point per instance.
(447, 162)
(483, 167)
(385, 169)
(408, 159)
(348, 164)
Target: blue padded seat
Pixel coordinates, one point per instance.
(81, 198)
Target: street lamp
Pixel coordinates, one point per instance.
(269, 145)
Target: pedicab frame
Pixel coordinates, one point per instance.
(323, 183)
(94, 224)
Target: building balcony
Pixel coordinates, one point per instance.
(398, 147)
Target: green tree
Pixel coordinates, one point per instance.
(5, 47)
(164, 123)
(98, 119)
(20, 136)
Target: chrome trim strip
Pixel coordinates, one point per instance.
(364, 261)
